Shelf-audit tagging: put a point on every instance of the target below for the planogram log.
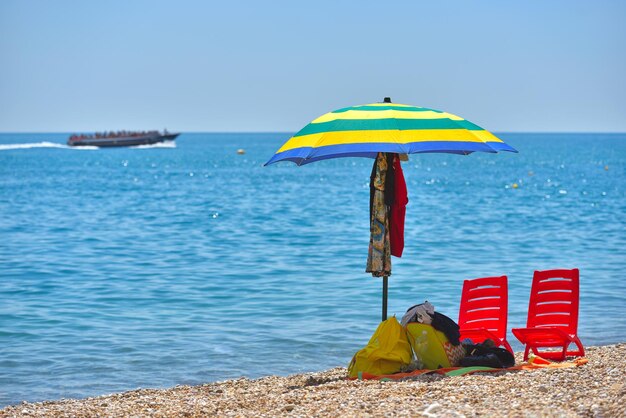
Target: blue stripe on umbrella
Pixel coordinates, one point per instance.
(306, 155)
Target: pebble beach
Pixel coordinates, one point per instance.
(596, 389)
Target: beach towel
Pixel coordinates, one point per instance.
(533, 363)
(379, 252)
(397, 211)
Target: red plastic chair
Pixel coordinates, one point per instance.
(552, 315)
(483, 311)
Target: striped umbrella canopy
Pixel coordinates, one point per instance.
(364, 131)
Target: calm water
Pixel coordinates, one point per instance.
(126, 268)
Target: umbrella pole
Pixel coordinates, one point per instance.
(385, 287)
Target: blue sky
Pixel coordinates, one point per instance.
(275, 65)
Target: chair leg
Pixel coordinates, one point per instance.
(526, 352)
(508, 346)
(535, 351)
(580, 352)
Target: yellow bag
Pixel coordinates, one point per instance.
(386, 352)
(432, 347)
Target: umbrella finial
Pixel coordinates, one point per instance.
(387, 100)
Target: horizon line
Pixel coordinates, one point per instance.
(290, 132)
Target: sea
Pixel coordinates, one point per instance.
(188, 262)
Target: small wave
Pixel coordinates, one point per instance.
(32, 145)
(165, 144)
(45, 144)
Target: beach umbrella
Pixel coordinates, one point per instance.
(367, 130)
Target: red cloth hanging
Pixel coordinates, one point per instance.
(398, 211)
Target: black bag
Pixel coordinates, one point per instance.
(447, 326)
(487, 355)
